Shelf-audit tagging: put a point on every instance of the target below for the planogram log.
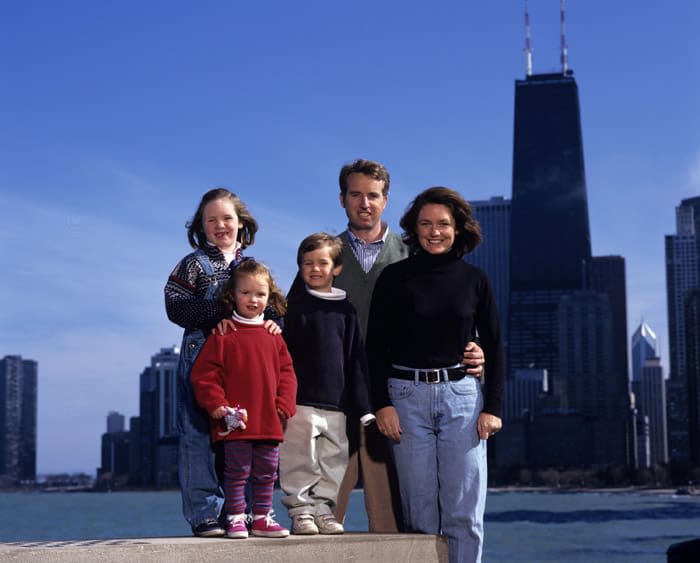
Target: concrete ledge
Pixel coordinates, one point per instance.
(351, 547)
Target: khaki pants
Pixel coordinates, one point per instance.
(370, 456)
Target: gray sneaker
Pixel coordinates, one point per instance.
(327, 524)
(303, 525)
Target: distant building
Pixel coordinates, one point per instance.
(692, 323)
(653, 405)
(158, 420)
(18, 415)
(682, 276)
(567, 309)
(649, 388)
(115, 453)
(493, 254)
(115, 422)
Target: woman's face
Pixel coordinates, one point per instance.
(435, 228)
(220, 224)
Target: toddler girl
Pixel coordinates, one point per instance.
(250, 369)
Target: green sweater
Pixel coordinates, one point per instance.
(359, 285)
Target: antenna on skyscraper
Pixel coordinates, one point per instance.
(528, 46)
(562, 35)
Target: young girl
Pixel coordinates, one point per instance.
(253, 369)
(219, 230)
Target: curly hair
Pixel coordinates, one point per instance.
(369, 168)
(251, 267)
(247, 226)
(319, 240)
(467, 229)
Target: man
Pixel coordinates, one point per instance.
(368, 247)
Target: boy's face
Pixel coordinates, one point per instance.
(317, 269)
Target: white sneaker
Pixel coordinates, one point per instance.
(303, 525)
(327, 524)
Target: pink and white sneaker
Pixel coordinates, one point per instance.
(264, 525)
(237, 526)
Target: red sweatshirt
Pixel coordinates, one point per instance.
(253, 369)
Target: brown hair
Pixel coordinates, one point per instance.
(251, 267)
(247, 226)
(467, 229)
(319, 240)
(368, 168)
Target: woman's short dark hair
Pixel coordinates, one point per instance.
(247, 226)
(467, 229)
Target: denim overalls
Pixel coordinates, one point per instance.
(202, 496)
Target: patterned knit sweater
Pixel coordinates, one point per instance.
(186, 287)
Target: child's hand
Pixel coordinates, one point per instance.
(283, 419)
(272, 327)
(216, 414)
(224, 326)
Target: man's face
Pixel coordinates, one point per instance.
(364, 202)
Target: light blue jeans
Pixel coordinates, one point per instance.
(441, 462)
(202, 495)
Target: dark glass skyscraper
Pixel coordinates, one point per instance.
(550, 239)
(18, 391)
(565, 314)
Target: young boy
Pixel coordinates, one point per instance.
(323, 337)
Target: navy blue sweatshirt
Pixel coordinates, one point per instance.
(324, 339)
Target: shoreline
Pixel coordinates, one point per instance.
(678, 491)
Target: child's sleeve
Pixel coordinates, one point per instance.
(182, 304)
(206, 375)
(358, 373)
(287, 386)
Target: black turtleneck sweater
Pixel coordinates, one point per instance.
(424, 310)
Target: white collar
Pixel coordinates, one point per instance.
(334, 294)
(254, 321)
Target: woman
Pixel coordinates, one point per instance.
(423, 310)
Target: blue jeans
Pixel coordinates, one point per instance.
(441, 462)
(202, 495)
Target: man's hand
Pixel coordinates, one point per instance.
(474, 359)
(388, 423)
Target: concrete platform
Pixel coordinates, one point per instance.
(350, 547)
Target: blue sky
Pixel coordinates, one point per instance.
(117, 116)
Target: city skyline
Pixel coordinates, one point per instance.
(119, 117)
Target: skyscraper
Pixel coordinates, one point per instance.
(643, 348)
(550, 240)
(564, 314)
(652, 403)
(493, 254)
(18, 392)
(158, 419)
(692, 323)
(682, 276)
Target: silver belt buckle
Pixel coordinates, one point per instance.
(430, 373)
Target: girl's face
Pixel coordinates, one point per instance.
(435, 228)
(251, 295)
(317, 269)
(220, 224)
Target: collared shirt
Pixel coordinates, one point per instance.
(367, 252)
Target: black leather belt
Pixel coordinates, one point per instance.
(430, 375)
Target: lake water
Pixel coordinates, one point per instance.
(520, 526)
